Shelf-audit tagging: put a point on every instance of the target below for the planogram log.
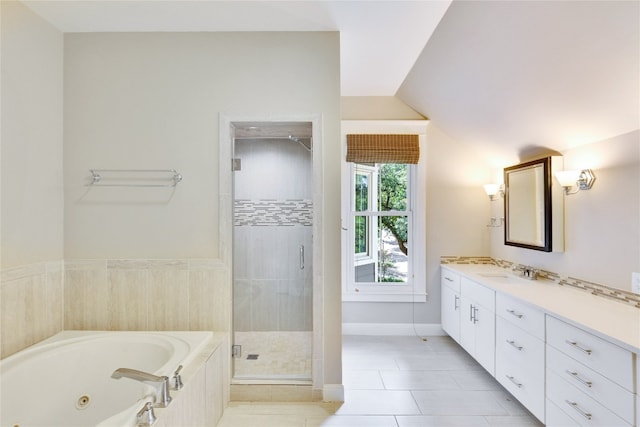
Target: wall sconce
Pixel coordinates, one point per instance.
(494, 191)
(581, 179)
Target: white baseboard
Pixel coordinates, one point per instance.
(333, 393)
(421, 329)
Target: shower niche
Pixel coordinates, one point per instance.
(272, 251)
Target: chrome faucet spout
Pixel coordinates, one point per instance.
(134, 374)
(164, 397)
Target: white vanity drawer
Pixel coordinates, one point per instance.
(450, 279)
(583, 409)
(602, 356)
(483, 296)
(521, 314)
(603, 390)
(524, 382)
(523, 348)
(555, 417)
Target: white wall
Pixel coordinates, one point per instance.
(32, 199)
(602, 225)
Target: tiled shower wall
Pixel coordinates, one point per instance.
(43, 299)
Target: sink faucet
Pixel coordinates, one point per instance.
(530, 273)
(526, 271)
(164, 398)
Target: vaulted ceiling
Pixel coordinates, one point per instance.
(515, 75)
(503, 75)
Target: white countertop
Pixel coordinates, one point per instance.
(612, 320)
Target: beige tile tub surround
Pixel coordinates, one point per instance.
(31, 305)
(39, 300)
(147, 295)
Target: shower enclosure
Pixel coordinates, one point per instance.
(272, 251)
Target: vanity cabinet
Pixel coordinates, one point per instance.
(565, 373)
(520, 352)
(477, 322)
(450, 303)
(590, 379)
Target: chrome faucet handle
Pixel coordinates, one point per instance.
(164, 395)
(146, 417)
(177, 379)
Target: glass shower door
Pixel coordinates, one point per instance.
(272, 254)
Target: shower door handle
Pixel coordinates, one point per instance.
(301, 257)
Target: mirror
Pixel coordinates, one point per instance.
(529, 209)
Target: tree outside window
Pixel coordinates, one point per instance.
(381, 223)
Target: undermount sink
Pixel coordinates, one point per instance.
(498, 275)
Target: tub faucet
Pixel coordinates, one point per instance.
(163, 399)
(146, 417)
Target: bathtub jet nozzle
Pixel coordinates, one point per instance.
(164, 397)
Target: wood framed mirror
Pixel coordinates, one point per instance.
(530, 209)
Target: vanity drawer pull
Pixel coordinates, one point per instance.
(582, 349)
(448, 279)
(580, 380)
(575, 406)
(513, 313)
(513, 380)
(514, 345)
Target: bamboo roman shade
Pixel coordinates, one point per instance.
(387, 148)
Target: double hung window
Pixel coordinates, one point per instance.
(380, 226)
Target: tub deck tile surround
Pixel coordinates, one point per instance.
(619, 295)
(147, 294)
(30, 305)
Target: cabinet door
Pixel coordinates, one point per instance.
(467, 327)
(451, 312)
(485, 323)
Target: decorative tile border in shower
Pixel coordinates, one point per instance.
(273, 212)
(626, 297)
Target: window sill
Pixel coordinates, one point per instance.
(382, 297)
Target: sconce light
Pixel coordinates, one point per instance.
(581, 179)
(494, 191)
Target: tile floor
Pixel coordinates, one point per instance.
(281, 355)
(397, 382)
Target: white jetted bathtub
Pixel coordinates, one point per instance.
(66, 379)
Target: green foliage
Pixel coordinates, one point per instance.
(392, 195)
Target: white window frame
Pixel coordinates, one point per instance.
(371, 172)
(414, 290)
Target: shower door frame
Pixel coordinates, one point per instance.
(226, 139)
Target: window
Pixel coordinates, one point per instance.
(383, 209)
(381, 222)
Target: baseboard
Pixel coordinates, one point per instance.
(333, 393)
(421, 329)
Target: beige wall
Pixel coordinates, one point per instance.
(143, 101)
(32, 203)
(153, 101)
(376, 108)
(456, 216)
(602, 225)
(31, 233)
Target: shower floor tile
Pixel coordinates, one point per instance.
(273, 355)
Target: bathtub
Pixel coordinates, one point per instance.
(66, 380)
